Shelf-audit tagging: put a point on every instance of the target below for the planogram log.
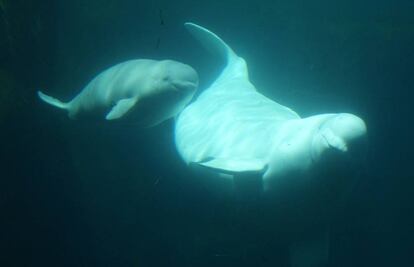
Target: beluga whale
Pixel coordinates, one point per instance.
(231, 128)
(144, 91)
(233, 133)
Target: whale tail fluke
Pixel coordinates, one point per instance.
(236, 66)
(52, 101)
(211, 41)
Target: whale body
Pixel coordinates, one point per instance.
(231, 128)
(142, 90)
(234, 133)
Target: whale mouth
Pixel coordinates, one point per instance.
(186, 85)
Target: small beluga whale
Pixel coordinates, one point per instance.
(145, 91)
(233, 131)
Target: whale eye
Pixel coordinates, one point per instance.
(166, 78)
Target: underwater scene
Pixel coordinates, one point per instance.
(206, 133)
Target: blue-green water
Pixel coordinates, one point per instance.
(91, 194)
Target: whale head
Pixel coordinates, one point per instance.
(176, 76)
(169, 86)
(347, 126)
(343, 132)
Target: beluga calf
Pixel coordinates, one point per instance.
(143, 91)
(234, 132)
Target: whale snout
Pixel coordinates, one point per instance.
(181, 76)
(185, 77)
(352, 130)
(349, 127)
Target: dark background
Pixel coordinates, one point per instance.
(91, 194)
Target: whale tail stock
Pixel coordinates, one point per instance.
(52, 101)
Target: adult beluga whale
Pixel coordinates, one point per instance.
(233, 131)
(143, 90)
(232, 128)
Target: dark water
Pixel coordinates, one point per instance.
(91, 194)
